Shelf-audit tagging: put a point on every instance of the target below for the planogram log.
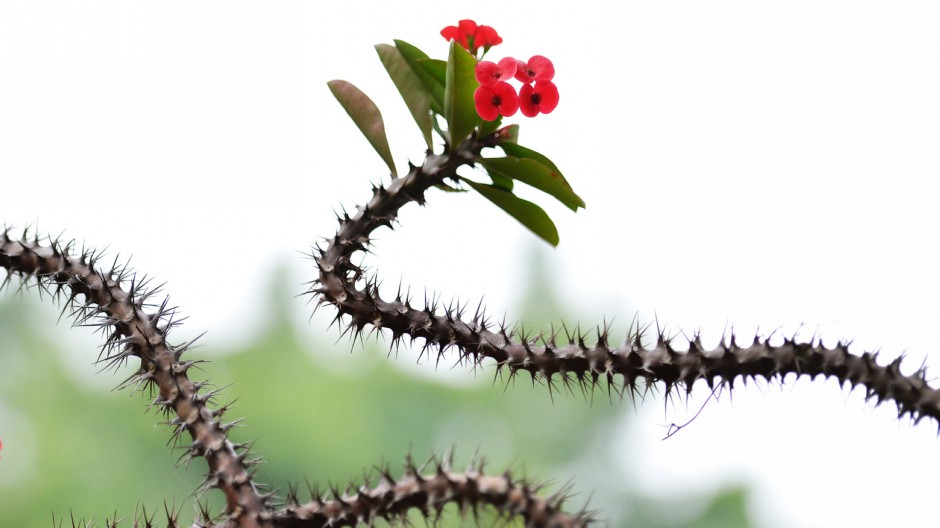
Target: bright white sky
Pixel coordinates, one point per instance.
(756, 163)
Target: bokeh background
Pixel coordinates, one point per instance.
(758, 165)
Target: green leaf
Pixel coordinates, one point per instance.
(502, 182)
(436, 67)
(413, 56)
(459, 109)
(410, 87)
(366, 116)
(488, 127)
(537, 175)
(517, 150)
(527, 213)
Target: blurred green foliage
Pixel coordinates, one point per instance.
(315, 413)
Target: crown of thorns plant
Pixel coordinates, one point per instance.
(444, 97)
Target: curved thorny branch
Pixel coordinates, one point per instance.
(572, 359)
(429, 493)
(120, 304)
(117, 302)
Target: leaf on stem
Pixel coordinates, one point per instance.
(527, 213)
(409, 85)
(413, 56)
(459, 108)
(436, 68)
(366, 116)
(543, 177)
(502, 182)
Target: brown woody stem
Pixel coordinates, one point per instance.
(572, 359)
(135, 332)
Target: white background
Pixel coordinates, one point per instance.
(745, 163)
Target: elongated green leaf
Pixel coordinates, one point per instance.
(459, 109)
(366, 116)
(529, 214)
(410, 87)
(537, 175)
(502, 182)
(436, 67)
(413, 56)
(512, 148)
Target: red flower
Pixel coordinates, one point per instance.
(496, 100)
(542, 97)
(462, 33)
(471, 36)
(537, 69)
(489, 73)
(487, 38)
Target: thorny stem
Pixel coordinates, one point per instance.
(117, 302)
(571, 359)
(135, 332)
(391, 498)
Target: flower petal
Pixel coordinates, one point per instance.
(507, 68)
(522, 74)
(453, 33)
(469, 30)
(537, 69)
(486, 37)
(483, 99)
(508, 99)
(548, 96)
(526, 105)
(487, 73)
(468, 27)
(542, 68)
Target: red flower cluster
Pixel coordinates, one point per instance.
(471, 36)
(496, 97)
